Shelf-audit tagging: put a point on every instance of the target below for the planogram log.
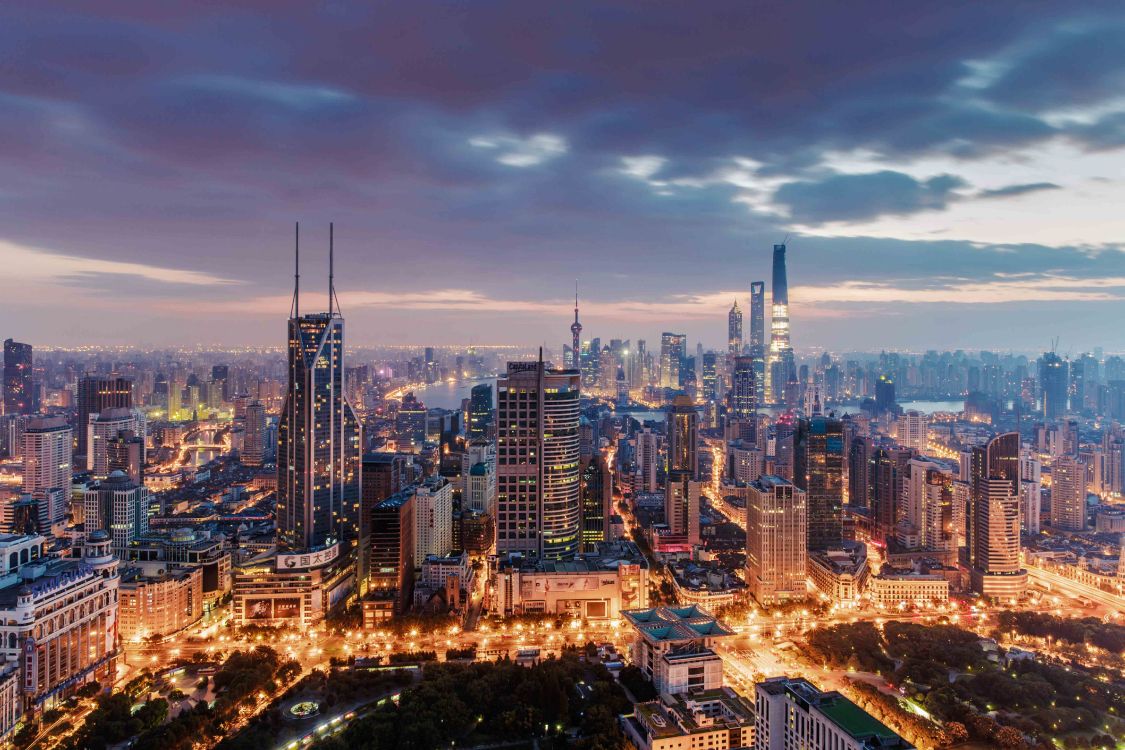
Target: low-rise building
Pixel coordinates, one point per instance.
(841, 572)
(159, 600)
(291, 589)
(673, 647)
(718, 719)
(592, 586)
(793, 713)
(894, 588)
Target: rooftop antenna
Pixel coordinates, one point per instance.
(295, 307)
(786, 240)
(331, 287)
(332, 298)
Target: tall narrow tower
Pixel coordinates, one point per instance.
(576, 335)
(781, 370)
(734, 331)
(318, 441)
(758, 338)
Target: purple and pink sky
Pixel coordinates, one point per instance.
(951, 175)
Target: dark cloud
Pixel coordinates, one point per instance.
(853, 197)
(191, 136)
(1010, 191)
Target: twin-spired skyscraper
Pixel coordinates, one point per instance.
(318, 436)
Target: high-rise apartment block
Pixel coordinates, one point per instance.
(1068, 494)
(97, 393)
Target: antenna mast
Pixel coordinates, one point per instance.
(295, 308)
(331, 285)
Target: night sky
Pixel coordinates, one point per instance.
(950, 175)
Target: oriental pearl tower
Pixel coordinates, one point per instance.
(576, 333)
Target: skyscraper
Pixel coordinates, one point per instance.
(683, 490)
(1053, 378)
(743, 390)
(734, 331)
(758, 338)
(884, 395)
(537, 457)
(118, 506)
(683, 437)
(993, 521)
(47, 468)
(673, 351)
(782, 371)
(480, 410)
(819, 470)
(318, 437)
(1068, 493)
(597, 502)
(776, 529)
(19, 388)
(253, 444)
(96, 393)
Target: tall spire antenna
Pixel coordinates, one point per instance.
(295, 310)
(331, 281)
(576, 299)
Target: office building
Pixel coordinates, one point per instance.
(781, 372)
(887, 475)
(743, 398)
(885, 395)
(819, 470)
(105, 426)
(537, 472)
(792, 713)
(318, 452)
(120, 507)
(710, 377)
(480, 411)
(391, 557)
(734, 331)
(47, 469)
(841, 572)
(1068, 494)
(683, 437)
(19, 386)
(758, 343)
(1053, 384)
(596, 492)
(993, 521)
(673, 352)
(410, 424)
(97, 393)
(776, 547)
(646, 457)
(254, 442)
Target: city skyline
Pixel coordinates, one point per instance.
(946, 176)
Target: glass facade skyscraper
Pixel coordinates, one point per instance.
(318, 441)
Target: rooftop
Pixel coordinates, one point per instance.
(672, 624)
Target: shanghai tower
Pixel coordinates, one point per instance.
(782, 369)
